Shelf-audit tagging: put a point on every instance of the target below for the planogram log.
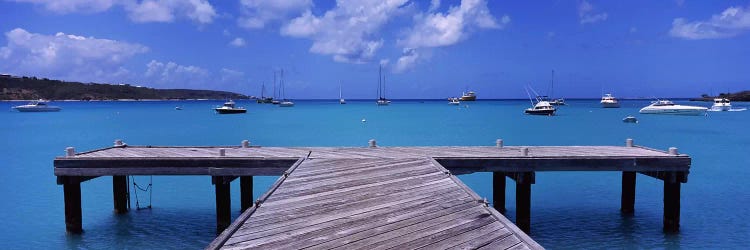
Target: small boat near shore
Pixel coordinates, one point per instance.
(667, 107)
(230, 108)
(453, 101)
(37, 106)
(721, 104)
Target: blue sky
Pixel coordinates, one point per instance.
(429, 49)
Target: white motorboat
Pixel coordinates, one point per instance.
(669, 108)
(37, 106)
(230, 108)
(721, 104)
(609, 101)
(453, 101)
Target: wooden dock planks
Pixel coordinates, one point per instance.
(371, 203)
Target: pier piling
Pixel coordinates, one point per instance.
(120, 193)
(498, 191)
(246, 192)
(223, 203)
(627, 202)
(73, 214)
(671, 204)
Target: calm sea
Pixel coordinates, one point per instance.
(569, 210)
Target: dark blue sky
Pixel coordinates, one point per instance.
(430, 49)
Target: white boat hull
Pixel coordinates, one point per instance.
(610, 105)
(49, 109)
(675, 111)
(720, 108)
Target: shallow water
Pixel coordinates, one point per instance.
(569, 210)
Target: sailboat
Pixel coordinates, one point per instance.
(282, 92)
(381, 88)
(274, 100)
(341, 99)
(558, 101)
(263, 98)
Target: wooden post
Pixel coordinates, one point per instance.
(223, 204)
(523, 202)
(73, 215)
(498, 191)
(246, 192)
(120, 193)
(671, 204)
(627, 202)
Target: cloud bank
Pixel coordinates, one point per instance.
(731, 22)
(66, 56)
(143, 11)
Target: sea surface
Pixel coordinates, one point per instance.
(569, 209)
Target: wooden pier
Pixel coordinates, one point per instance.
(380, 197)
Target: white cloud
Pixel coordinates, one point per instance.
(68, 57)
(586, 13)
(407, 60)
(257, 13)
(445, 29)
(237, 42)
(171, 74)
(73, 6)
(141, 11)
(434, 5)
(348, 32)
(731, 22)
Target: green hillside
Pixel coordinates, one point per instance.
(32, 88)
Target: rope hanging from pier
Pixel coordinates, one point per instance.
(148, 188)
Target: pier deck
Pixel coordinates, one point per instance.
(379, 197)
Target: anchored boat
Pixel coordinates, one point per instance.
(669, 108)
(37, 106)
(230, 108)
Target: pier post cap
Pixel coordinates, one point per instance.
(373, 143)
(499, 143)
(628, 142)
(70, 151)
(119, 143)
(525, 151)
(673, 151)
(222, 152)
(245, 143)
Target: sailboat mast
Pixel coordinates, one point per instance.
(274, 84)
(383, 87)
(380, 75)
(552, 93)
(282, 92)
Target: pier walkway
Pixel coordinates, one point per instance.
(371, 197)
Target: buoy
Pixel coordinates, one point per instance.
(363, 120)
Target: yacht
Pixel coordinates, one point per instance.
(453, 101)
(542, 107)
(721, 104)
(668, 107)
(469, 96)
(230, 108)
(557, 102)
(37, 106)
(609, 101)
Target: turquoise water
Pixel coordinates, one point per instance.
(569, 210)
